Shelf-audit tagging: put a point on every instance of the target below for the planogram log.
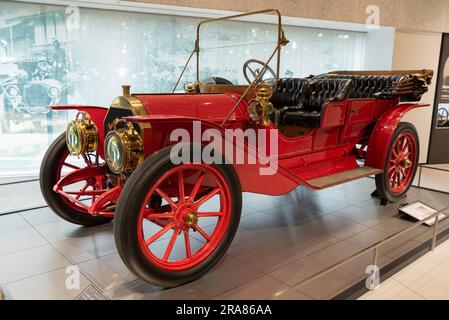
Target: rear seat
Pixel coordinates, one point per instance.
(368, 86)
(300, 101)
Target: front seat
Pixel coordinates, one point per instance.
(316, 95)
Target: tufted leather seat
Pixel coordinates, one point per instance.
(301, 101)
(368, 86)
(405, 86)
(288, 92)
(316, 94)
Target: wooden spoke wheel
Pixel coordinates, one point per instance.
(58, 162)
(401, 164)
(173, 223)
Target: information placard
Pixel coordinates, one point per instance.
(420, 211)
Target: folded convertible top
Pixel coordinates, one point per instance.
(407, 85)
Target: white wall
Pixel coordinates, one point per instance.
(379, 49)
(413, 50)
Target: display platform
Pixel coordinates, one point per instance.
(280, 243)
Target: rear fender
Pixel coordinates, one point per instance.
(380, 140)
(157, 133)
(97, 114)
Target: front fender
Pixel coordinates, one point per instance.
(380, 140)
(159, 127)
(96, 113)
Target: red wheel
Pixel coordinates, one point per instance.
(401, 165)
(173, 223)
(86, 189)
(58, 162)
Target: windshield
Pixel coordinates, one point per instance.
(236, 57)
(224, 55)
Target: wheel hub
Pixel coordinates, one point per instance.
(191, 219)
(186, 217)
(406, 163)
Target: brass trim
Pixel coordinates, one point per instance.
(264, 92)
(191, 218)
(87, 134)
(126, 90)
(406, 163)
(132, 145)
(130, 102)
(191, 87)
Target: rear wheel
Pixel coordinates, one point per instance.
(174, 222)
(401, 164)
(57, 162)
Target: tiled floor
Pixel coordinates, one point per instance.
(281, 241)
(424, 279)
(28, 197)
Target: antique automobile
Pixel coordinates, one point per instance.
(27, 100)
(174, 221)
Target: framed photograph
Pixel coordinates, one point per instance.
(420, 211)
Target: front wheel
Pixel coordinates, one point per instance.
(401, 164)
(174, 222)
(57, 162)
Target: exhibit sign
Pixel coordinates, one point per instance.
(420, 211)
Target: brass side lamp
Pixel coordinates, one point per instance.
(260, 108)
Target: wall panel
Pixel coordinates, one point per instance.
(418, 51)
(418, 15)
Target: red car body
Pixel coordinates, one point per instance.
(325, 151)
(356, 136)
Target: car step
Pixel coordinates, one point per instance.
(342, 177)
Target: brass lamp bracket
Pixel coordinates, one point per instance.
(132, 144)
(264, 91)
(87, 134)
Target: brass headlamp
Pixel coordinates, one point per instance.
(81, 135)
(260, 108)
(123, 148)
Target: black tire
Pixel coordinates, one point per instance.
(126, 219)
(47, 180)
(383, 187)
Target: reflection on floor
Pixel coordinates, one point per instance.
(424, 279)
(281, 241)
(21, 196)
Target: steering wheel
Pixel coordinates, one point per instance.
(256, 67)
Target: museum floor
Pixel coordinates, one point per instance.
(281, 241)
(424, 279)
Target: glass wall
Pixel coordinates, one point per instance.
(54, 54)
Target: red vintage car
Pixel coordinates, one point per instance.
(174, 221)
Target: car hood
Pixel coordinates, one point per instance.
(211, 107)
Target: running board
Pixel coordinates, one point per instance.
(342, 177)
